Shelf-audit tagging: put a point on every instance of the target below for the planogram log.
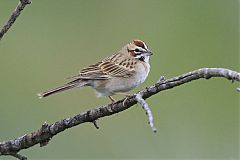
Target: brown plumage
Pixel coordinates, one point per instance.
(117, 67)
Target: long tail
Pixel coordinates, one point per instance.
(60, 89)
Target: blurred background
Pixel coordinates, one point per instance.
(52, 40)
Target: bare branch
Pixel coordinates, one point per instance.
(46, 132)
(21, 5)
(147, 110)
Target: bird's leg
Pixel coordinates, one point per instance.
(124, 94)
(111, 98)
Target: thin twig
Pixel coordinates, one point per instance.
(47, 131)
(148, 111)
(21, 5)
(95, 124)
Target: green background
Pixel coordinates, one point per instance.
(52, 40)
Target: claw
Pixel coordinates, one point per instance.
(127, 96)
(112, 99)
(120, 93)
(125, 100)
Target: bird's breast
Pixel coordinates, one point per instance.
(121, 84)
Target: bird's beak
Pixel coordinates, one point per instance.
(148, 53)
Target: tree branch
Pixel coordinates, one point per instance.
(148, 111)
(21, 5)
(46, 132)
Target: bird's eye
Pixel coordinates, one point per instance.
(137, 50)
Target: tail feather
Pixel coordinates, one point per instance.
(56, 90)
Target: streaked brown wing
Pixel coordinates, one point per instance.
(118, 66)
(115, 70)
(113, 66)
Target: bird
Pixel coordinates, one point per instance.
(114, 75)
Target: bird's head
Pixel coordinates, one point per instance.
(139, 50)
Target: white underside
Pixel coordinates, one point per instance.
(119, 84)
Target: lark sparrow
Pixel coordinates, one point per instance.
(115, 74)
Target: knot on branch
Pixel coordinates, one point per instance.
(161, 79)
(44, 130)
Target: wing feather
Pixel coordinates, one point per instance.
(113, 66)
